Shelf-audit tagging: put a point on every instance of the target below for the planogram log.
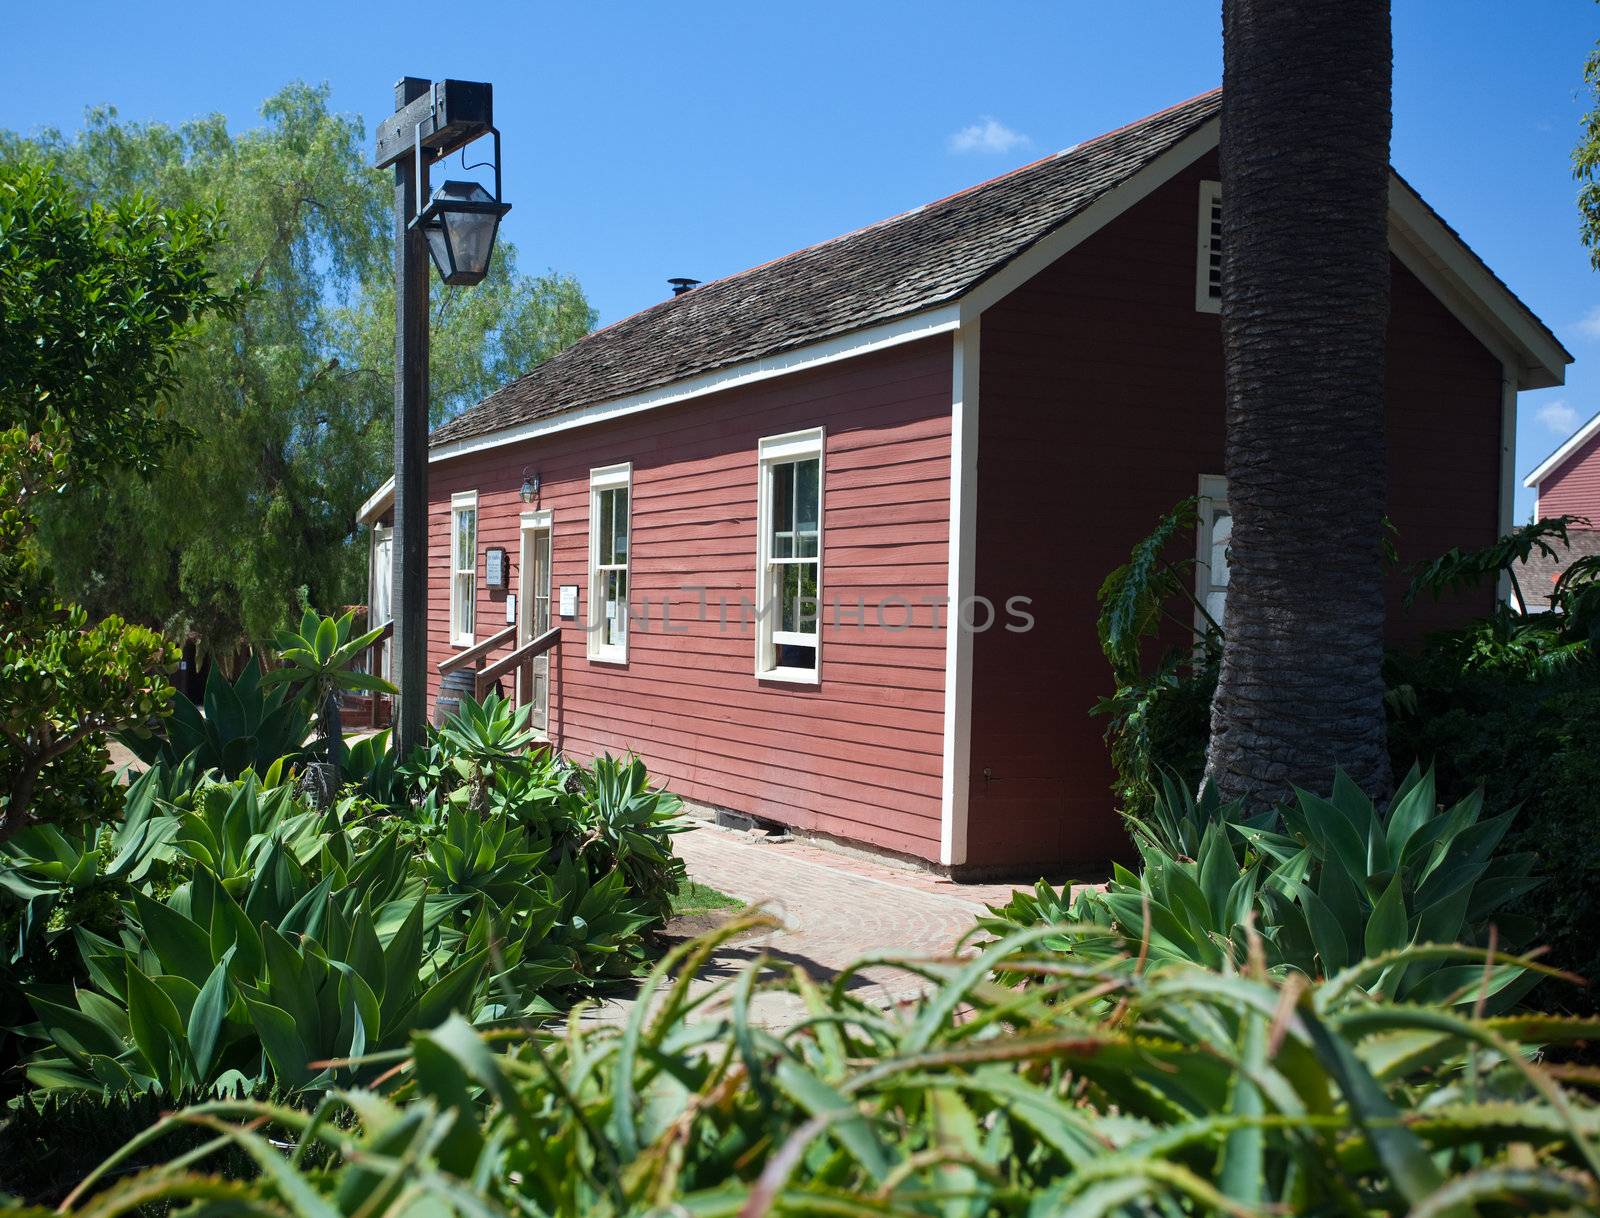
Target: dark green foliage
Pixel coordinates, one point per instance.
(224, 935)
(65, 684)
(1158, 1090)
(288, 399)
(50, 1142)
(1529, 743)
(1157, 717)
(97, 300)
(240, 725)
(318, 661)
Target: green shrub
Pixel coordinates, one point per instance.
(224, 934)
(1166, 1089)
(1529, 743)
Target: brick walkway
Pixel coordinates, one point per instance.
(834, 907)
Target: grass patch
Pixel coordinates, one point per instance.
(693, 898)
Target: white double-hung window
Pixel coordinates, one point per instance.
(1215, 535)
(463, 566)
(609, 499)
(789, 556)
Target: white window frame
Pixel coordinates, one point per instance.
(772, 451)
(1213, 494)
(459, 502)
(1210, 194)
(608, 478)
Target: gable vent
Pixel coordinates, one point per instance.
(1208, 260)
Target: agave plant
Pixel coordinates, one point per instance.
(621, 820)
(317, 659)
(220, 991)
(1323, 882)
(240, 725)
(1090, 1091)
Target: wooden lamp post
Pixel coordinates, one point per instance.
(457, 227)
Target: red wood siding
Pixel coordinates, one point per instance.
(1101, 404)
(860, 754)
(1574, 488)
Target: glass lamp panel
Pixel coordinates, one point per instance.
(439, 250)
(470, 236)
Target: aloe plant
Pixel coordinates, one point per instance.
(1091, 1090)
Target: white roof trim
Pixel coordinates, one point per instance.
(845, 346)
(1576, 441)
(378, 503)
(1054, 244)
(1469, 289)
(1419, 238)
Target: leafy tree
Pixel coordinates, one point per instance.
(97, 301)
(1306, 115)
(1586, 162)
(289, 401)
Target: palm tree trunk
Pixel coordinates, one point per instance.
(1306, 114)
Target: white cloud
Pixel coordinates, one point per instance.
(1558, 417)
(991, 135)
(1589, 327)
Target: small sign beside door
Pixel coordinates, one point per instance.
(494, 568)
(569, 600)
(511, 609)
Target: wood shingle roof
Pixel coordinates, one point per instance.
(898, 267)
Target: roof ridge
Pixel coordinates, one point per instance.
(909, 212)
(914, 258)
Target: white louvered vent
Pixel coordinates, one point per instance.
(1208, 263)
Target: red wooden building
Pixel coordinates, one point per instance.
(965, 413)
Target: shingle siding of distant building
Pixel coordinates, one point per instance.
(1573, 488)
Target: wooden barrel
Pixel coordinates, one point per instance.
(455, 685)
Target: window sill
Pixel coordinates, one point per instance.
(463, 643)
(619, 658)
(790, 676)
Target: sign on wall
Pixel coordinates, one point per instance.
(494, 568)
(569, 600)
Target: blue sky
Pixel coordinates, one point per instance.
(693, 138)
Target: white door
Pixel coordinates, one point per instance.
(380, 594)
(533, 615)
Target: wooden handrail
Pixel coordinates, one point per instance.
(529, 650)
(385, 632)
(475, 653)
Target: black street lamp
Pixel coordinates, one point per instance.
(432, 119)
(460, 223)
